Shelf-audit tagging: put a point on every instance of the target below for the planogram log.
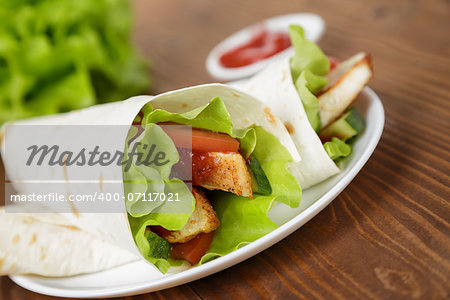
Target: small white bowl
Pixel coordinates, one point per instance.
(313, 25)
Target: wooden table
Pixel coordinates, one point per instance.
(387, 235)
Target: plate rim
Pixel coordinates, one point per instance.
(236, 256)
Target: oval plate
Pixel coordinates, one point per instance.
(141, 277)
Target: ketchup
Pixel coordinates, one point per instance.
(262, 45)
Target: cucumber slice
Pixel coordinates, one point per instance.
(260, 183)
(159, 247)
(347, 126)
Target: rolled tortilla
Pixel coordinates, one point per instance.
(275, 88)
(109, 228)
(53, 248)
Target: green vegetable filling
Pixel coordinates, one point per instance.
(159, 247)
(57, 56)
(260, 183)
(308, 65)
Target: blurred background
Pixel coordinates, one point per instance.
(56, 56)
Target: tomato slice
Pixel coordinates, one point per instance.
(193, 250)
(201, 140)
(159, 230)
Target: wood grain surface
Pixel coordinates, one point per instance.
(387, 236)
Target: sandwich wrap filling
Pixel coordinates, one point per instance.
(215, 107)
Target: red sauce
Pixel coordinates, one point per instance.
(262, 45)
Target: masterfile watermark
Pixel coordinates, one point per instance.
(83, 152)
(52, 155)
(96, 168)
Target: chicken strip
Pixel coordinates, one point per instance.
(222, 171)
(203, 219)
(346, 81)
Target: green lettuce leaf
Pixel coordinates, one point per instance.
(308, 65)
(337, 149)
(140, 179)
(57, 56)
(308, 56)
(314, 82)
(310, 102)
(244, 220)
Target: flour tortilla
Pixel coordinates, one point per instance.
(98, 229)
(275, 88)
(53, 248)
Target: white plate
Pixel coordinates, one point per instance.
(313, 25)
(141, 277)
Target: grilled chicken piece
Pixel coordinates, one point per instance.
(345, 83)
(222, 171)
(203, 219)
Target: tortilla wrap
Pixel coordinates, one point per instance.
(29, 245)
(103, 230)
(275, 88)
